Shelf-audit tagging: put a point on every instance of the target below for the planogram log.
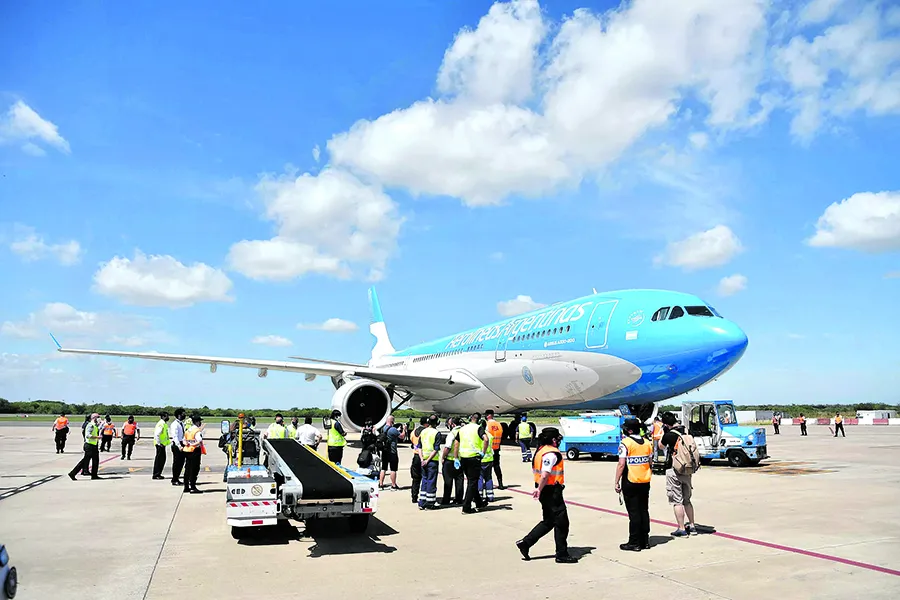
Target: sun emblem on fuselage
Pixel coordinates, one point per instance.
(527, 376)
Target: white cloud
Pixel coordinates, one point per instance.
(851, 66)
(712, 248)
(819, 11)
(330, 325)
(731, 285)
(796, 336)
(865, 221)
(327, 223)
(69, 324)
(699, 140)
(161, 281)
(316, 153)
(520, 304)
(604, 81)
(892, 275)
(272, 340)
(31, 247)
(22, 124)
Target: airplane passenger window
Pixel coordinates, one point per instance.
(676, 312)
(698, 311)
(661, 314)
(568, 327)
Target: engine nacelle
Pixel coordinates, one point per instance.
(361, 400)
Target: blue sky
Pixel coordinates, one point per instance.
(194, 179)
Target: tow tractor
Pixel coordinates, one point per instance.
(717, 433)
(292, 482)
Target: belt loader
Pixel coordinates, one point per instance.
(293, 482)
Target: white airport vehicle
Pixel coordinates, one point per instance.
(293, 482)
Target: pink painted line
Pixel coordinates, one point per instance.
(107, 460)
(737, 538)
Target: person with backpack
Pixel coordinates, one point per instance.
(682, 461)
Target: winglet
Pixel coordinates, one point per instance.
(55, 341)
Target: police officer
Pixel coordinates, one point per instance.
(549, 483)
(495, 430)
(130, 434)
(635, 453)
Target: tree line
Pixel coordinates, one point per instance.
(52, 407)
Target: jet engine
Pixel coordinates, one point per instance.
(361, 400)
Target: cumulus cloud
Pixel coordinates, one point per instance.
(699, 140)
(712, 248)
(21, 124)
(731, 285)
(31, 247)
(603, 81)
(275, 341)
(518, 305)
(316, 152)
(66, 321)
(339, 325)
(330, 223)
(852, 65)
(161, 281)
(865, 221)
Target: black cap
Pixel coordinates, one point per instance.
(551, 432)
(632, 424)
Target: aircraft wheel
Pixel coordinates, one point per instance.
(572, 453)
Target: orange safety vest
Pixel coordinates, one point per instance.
(495, 430)
(638, 460)
(189, 436)
(61, 423)
(657, 431)
(557, 473)
(109, 429)
(838, 420)
(129, 428)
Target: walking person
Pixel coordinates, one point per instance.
(802, 424)
(682, 461)
(91, 449)
(176, 437)
(389, 438)
(524, 437)
(839, 425)
(429, 446)
(84, 426)
(634, 459)
(549, 482)
(130, 434)
(107, 434)
(495, 430)
(60, 428)
(193, 448)
(160, 443)
(451, 468)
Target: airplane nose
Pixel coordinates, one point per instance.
(729, 337)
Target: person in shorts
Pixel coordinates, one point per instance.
(678, 487)
(390, 459)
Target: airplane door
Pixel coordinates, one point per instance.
(500, 352)
(598, 327)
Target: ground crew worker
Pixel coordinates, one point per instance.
(549, 482)
(277, 430)
(130, 434)
(450, 469)
(107, 434)
(634, 457)
(193, 448)
(176, 436)
(84, 426)
(292, 428)
(160, 442)
(61, 428)
(429, 446)
(495, 430)
(802, 424)
(473, 442)
(839, 425)
(415, 467)
(91, 450)
(776, 422)
(523, 436)
(308, 435)
(336, 438)
(486, 479)
(656, 434)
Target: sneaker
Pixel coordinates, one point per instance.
(630, 547)
(395, 488)
(568, 559)
(691, 529)
(679, 533)
(523, 549)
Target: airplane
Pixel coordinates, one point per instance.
(626, 350)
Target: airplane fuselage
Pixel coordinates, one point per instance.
(595, 352)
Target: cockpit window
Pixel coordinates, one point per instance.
(699, 311)
(661, 314)
(714, 311)
(676, 312)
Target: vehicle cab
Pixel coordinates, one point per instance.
(715, 428)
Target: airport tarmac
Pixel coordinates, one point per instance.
(819, 520)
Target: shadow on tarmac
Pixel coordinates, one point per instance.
(334, 538)
(659, 540)
(578, 552)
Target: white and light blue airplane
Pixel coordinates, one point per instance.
(629, 350)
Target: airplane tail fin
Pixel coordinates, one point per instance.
(377, 328)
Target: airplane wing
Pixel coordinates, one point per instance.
(449, 382)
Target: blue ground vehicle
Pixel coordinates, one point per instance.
(9, 582)
(594, 434)
(717, 433)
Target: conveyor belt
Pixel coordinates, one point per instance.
(320, 479)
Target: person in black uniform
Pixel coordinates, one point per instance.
(549, 482)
